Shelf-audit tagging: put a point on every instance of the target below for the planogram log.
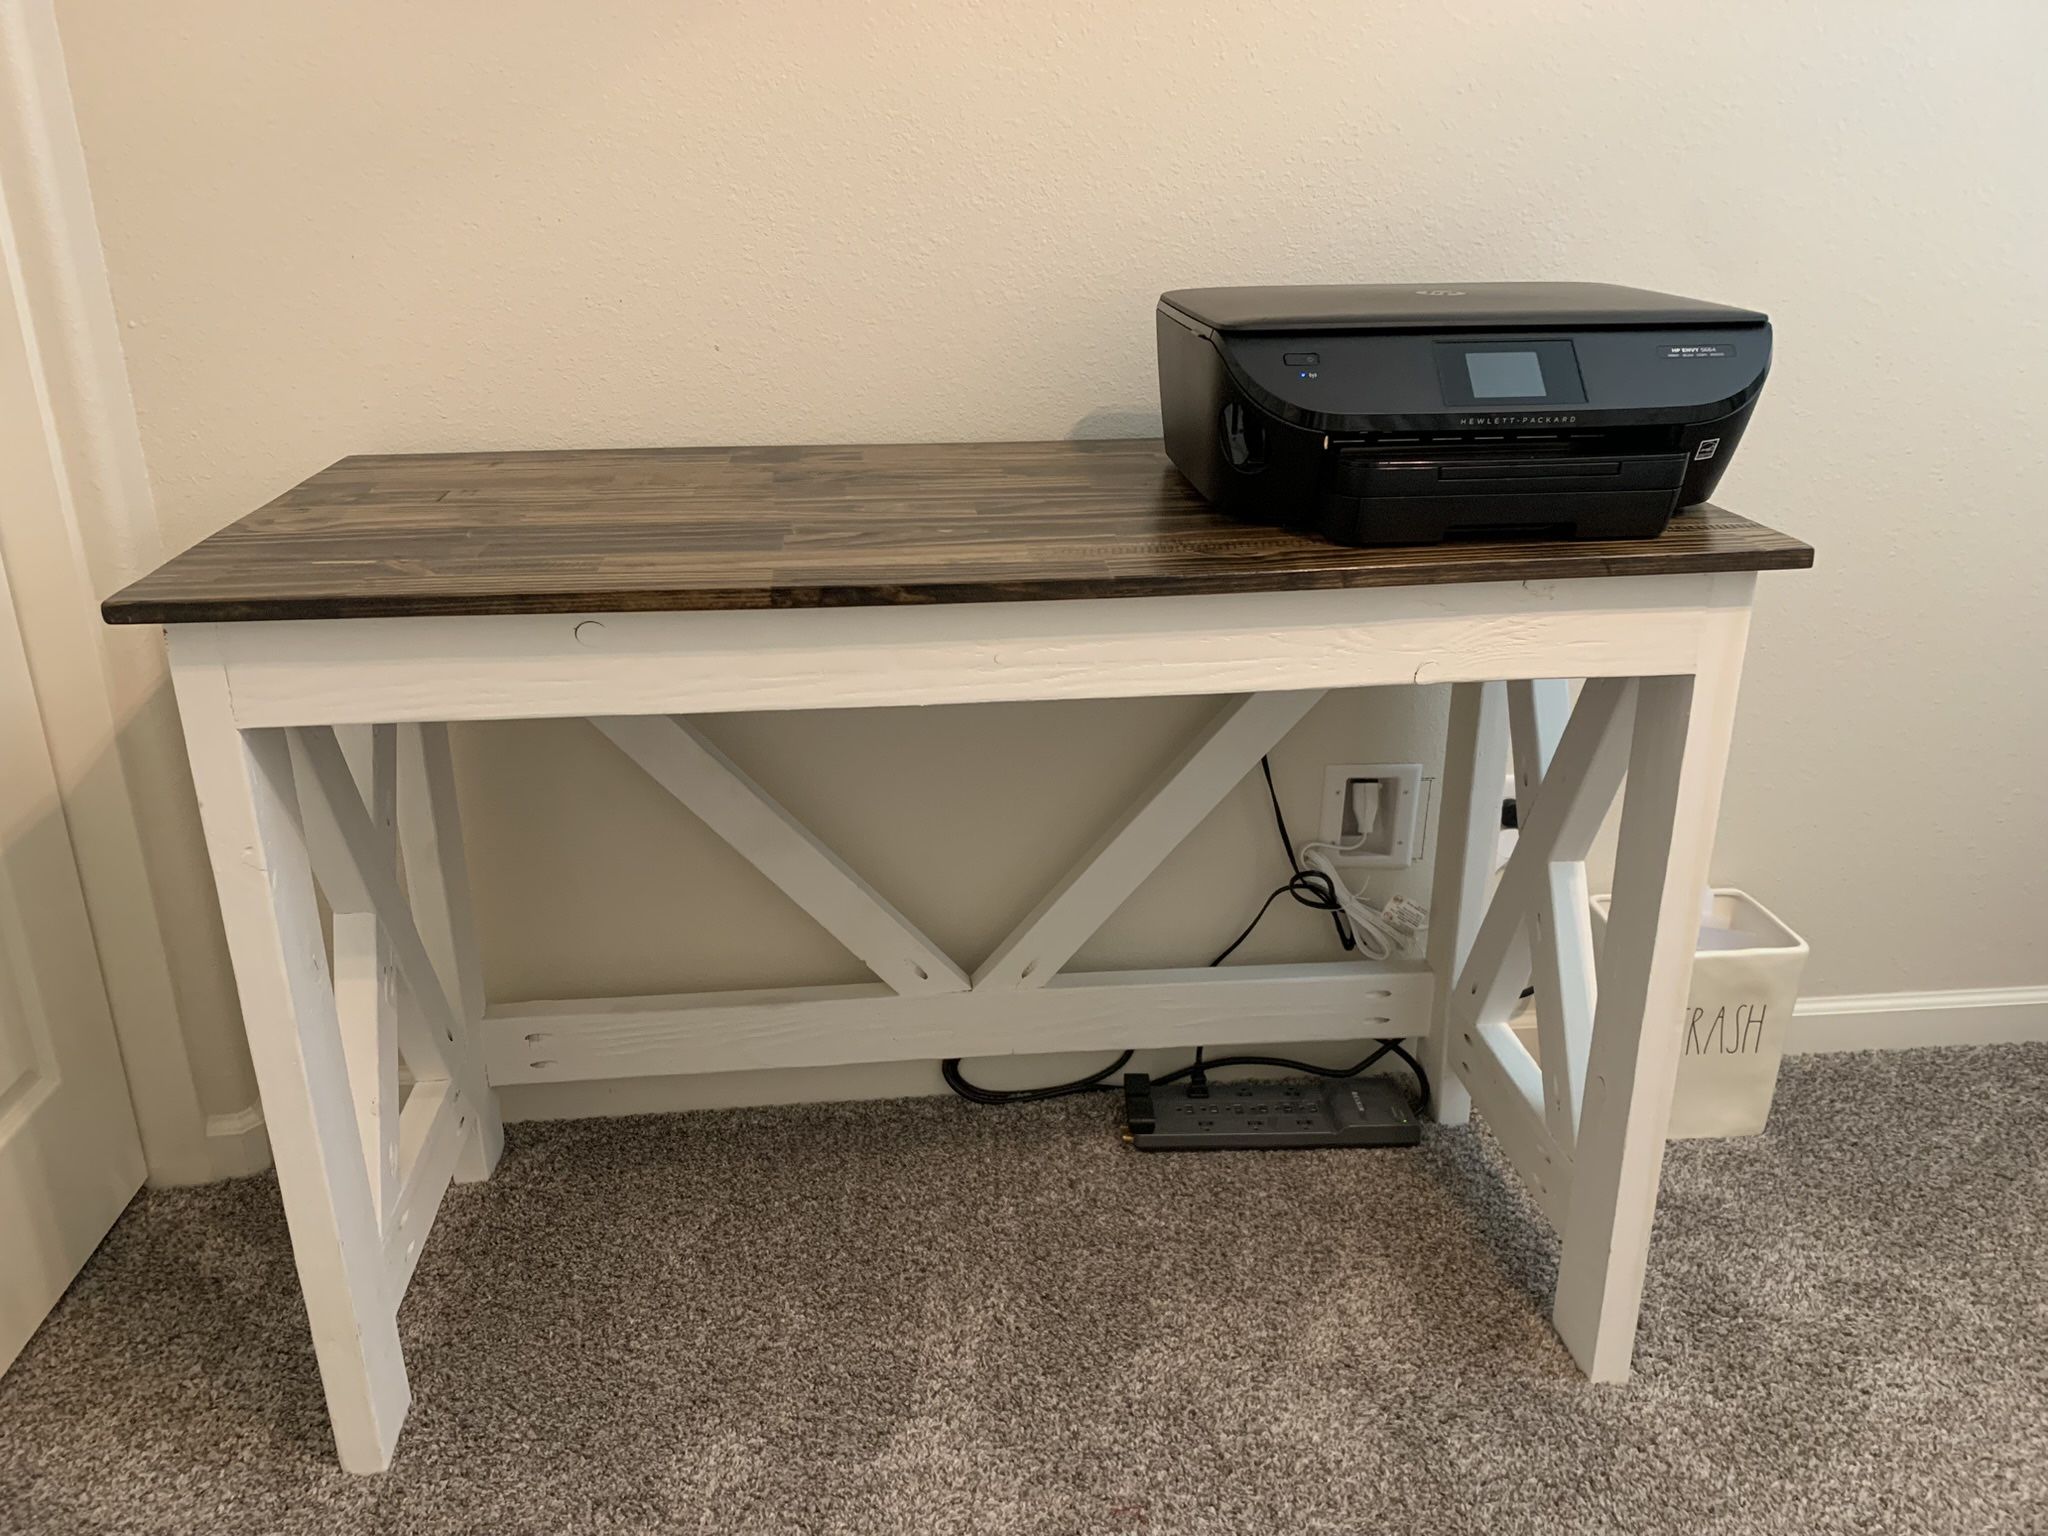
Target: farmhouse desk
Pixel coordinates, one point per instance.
(320, 645)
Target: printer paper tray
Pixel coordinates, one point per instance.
(1529, 514)
(1408, 497)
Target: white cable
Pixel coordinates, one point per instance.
(1377, 938)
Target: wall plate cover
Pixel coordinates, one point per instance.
(1393, 844)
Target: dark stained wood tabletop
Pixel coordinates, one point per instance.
(610, 530)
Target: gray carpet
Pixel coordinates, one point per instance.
(918, 1316)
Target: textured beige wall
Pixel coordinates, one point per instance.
(373, 226)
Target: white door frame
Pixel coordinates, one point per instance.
(84, 524)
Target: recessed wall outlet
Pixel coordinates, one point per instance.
(1372, 812)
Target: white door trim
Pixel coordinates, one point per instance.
(100, 691)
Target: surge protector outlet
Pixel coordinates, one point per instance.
(1339, 1112)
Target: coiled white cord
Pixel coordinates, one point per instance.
(1378, 939)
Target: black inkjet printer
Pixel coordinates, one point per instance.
(1389, 414)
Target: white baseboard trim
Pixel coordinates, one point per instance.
(241, 1145)
(1884, 1021)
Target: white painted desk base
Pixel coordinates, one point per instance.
(319, 747)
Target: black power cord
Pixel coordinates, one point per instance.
(974, 1093)
(1310, 887)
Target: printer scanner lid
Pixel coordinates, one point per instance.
(1446, 306)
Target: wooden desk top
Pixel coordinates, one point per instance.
(612, 530)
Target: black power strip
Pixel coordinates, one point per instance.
(1346, 1112)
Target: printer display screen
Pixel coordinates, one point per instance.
(1539, 371)
(1505, 375)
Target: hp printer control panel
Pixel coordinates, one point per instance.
(1555, 378)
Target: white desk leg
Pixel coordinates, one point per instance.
(1468, 832)
(1676, 762)
(430, 830)
(256, 839)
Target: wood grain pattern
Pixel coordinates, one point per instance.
(621, 530)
